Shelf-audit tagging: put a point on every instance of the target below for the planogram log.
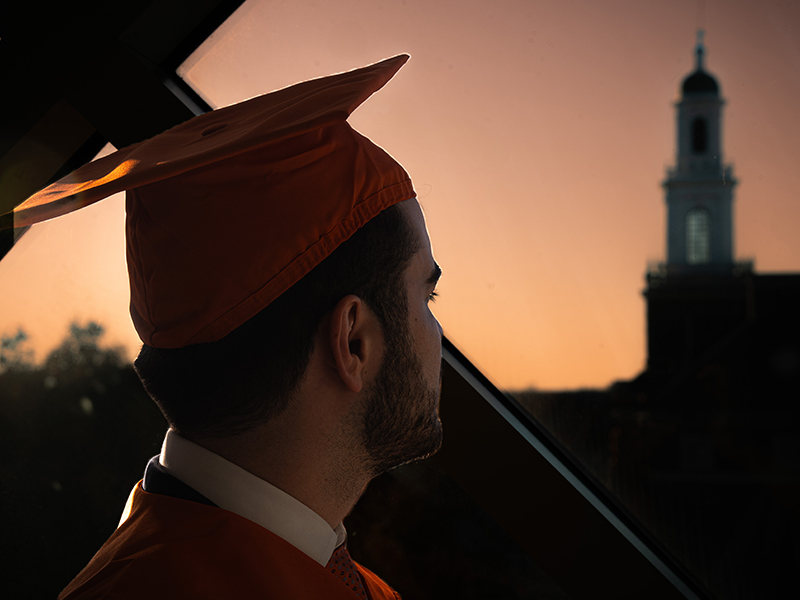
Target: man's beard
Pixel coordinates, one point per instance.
(401, 421)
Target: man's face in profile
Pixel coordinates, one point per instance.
(401, 421)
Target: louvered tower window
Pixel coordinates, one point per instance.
(699, 136)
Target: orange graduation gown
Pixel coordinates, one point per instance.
(169, 549)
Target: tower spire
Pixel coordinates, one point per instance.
(700, 49)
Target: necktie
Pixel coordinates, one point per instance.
(345, 569)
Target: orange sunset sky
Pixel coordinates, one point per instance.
(537, 134)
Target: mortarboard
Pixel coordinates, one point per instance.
(228, 210)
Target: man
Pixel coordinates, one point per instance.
(281, 275)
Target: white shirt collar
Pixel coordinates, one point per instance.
(232, 488)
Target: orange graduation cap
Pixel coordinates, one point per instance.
(228, 210)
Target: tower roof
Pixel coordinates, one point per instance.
(700, 82)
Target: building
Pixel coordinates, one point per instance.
(701, 299)
(703, 446)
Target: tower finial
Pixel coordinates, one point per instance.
(700, 49)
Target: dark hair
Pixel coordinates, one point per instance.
(227, 386)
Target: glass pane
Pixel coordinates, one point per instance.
(537, 135)
(76, 427)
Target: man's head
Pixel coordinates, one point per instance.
(221, 389)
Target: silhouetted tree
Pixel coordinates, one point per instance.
(14, 353)
(75, 433)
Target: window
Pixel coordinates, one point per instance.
(698, 237)
(699, 135)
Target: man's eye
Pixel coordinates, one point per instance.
(432, 296)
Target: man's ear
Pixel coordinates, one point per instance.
(354, 341)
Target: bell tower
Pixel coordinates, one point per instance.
(699, 188)
(700, 294)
